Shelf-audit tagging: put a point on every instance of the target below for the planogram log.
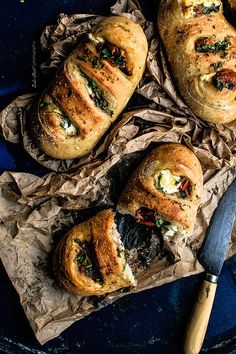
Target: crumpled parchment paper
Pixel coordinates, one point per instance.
(36, 211)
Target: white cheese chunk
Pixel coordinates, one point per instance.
(96, 40)
(127, 272)
(168, 182)
(90, 91)
(207, 77)
(66, 124)
(169, 231)
(71, 130)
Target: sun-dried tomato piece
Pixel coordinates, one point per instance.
(185, 188)
(225, 78)
(113, 49)
(146, 217)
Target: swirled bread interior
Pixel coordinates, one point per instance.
(164, 192)
(91, 259)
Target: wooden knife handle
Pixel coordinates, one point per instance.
(197, 327)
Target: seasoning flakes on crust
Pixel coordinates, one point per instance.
(90, 259)
(165, 190)
(91, 89)
(201, 48)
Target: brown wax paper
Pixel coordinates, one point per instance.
(35, 212)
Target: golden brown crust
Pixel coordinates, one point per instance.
(107, 258)
(68, 121)
(182, 24)
(232, 3)
(141, 190)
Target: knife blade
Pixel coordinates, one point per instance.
(211, 256)
(215, 245)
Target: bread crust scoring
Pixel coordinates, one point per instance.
(201, 48)
(90, 89)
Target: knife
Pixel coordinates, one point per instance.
(211, 256)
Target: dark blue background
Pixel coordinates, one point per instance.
(149, 322)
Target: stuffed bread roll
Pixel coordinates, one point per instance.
(201, 48)
(90, 259)
(165, 190)
(91, 88)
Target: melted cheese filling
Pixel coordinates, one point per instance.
(127, 272)
(95, 40)
(90, 91)
(207, 77)
(169, 231)
(167, 182)
(66, 124)
(71, 130)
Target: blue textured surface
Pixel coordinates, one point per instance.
(149, 322)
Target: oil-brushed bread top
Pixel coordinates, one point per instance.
(201, 48)
(90, 258)
(165, 190)
(90, 89)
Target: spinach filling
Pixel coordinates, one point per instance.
(182, 184)
(119, 252)
(204, 45)
(96, 63)
(97, 96)
(205, 10)
(124, 252)
(220, 85)
(217, 66)
(87, 262)
(184, 188)
(126, 255)
(81, 58)
(150, 218)
(66, 124)
(158, 183)
(109, 51)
